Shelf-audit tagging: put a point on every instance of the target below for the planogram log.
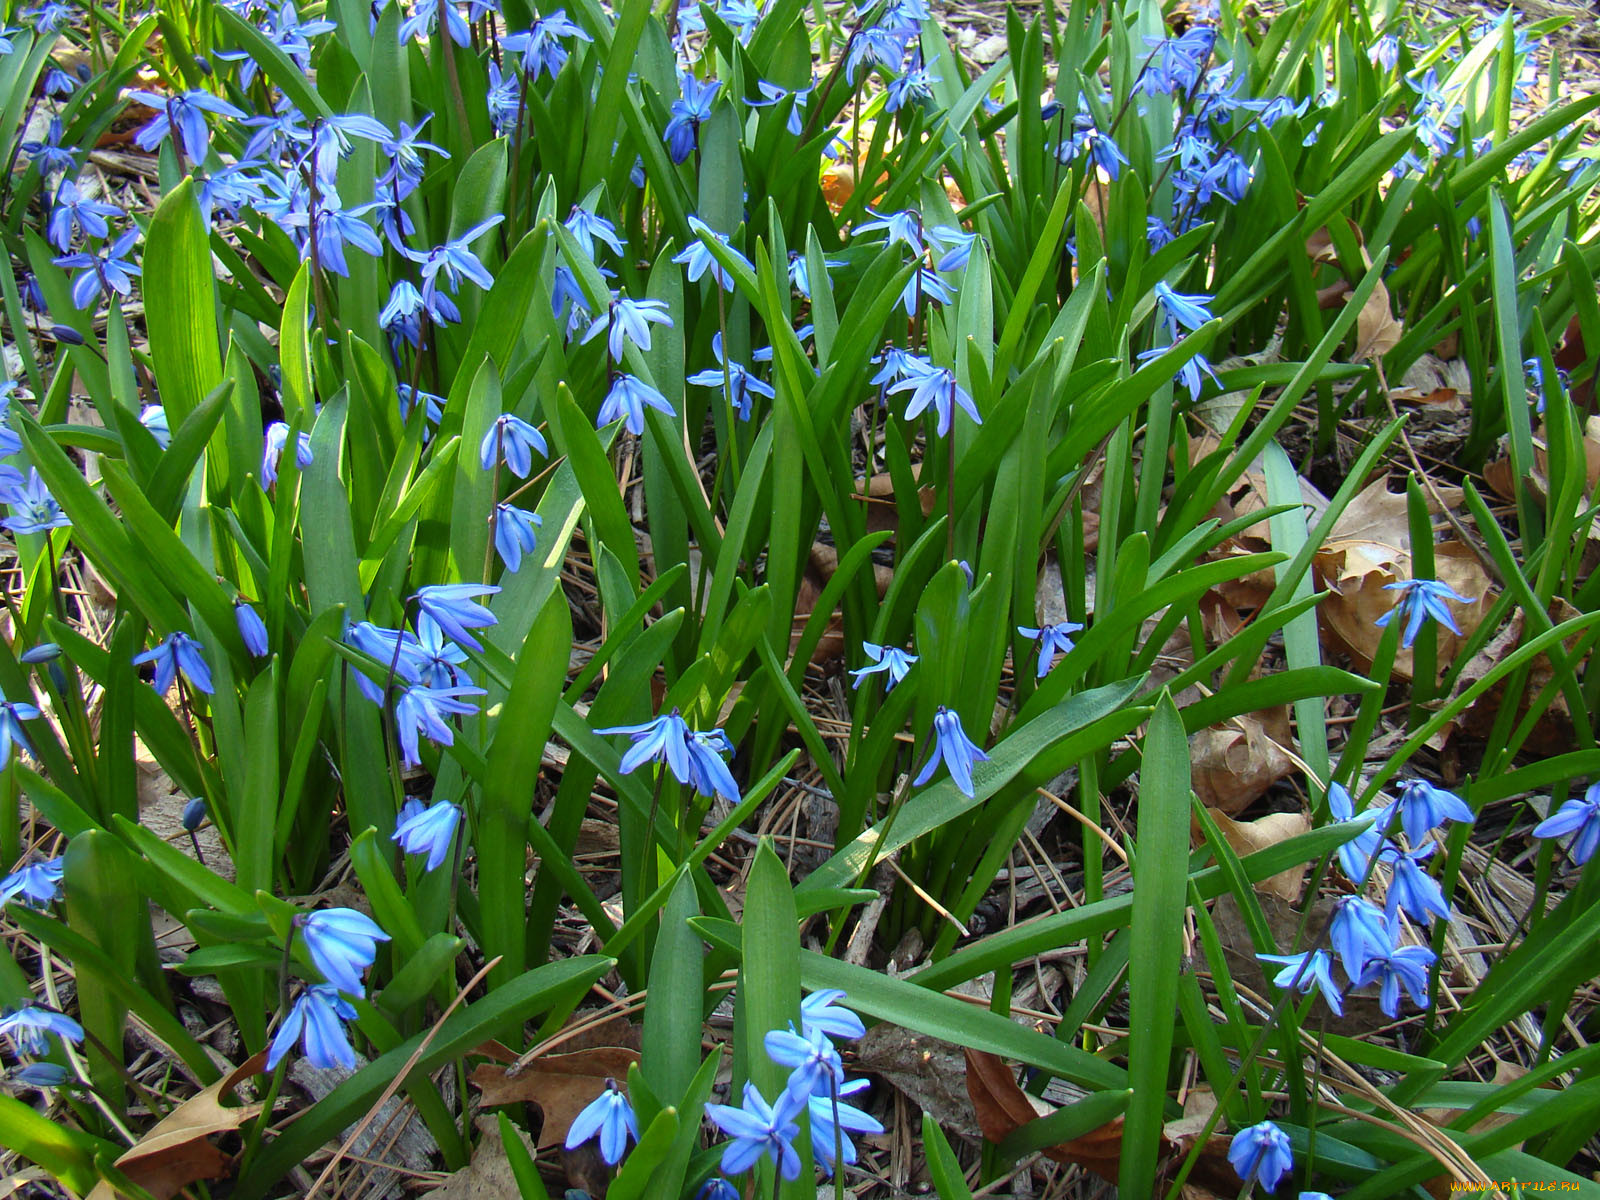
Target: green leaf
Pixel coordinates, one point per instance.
(769, 970)
(1159, 901)
(183, 325)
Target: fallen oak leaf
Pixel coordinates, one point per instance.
(1246, 837)
(560, 1084)
(176, 1151)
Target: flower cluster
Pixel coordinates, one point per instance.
(815, 1085)
(342, 944)
(693, 756)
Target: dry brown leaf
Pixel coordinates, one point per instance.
(1377, 330)
(1246, 837)
(488, 1176)
(176, 1152)
(1553, 733)
(1236, 762)
(560, 1084)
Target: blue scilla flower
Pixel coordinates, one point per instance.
(625, 320)
(1261, 1153)
(697, 258)
(74, 210)
(626, 401)
(682, 133)
(251, 628)
(608, 1118)
(758, 1128)
(954, 246)
(912, 87)
(541, 47)
(1404, 966)
(37, 885)
(1412, 888)
(903, 226)
(39, 1075)
(1053, 640)
(12, 714)
(1576, 816)
(665, 739)
(815, 1066)
(889, 661)
(740, 384)
(178, 652)
(431, 403)
(514, 534)
(435, 659)
(187, 111)
(1181, 310)
(1306, 970)
(342, 943)
(823, 1109)
(30, 1027)
(875, 46)
(939, 388)
(821, 1011)
(401, 315)
(515, 440)
(334, 227)
(49, 155)
(455, 260)
(424, 20)
(951, 743)
(589, 228)
(707, 771)
(1420, 599)
(1423, 807)
(454, 607)
(800, 271)
(924, 284)
(425, 710)
(427, 830)
(1385, 52)
(1358, 931)
(272, 447)
(899, 364)
(105, 271)
(1193, 371)
(154, 418)
(717, 1188)
(1357, 855)
(317, 1018)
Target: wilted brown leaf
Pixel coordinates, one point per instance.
(560, 1084)
(176, 1152)
(1246, 837)
(1236, 762)
(1377, 329)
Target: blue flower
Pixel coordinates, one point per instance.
(455, 260)
(1357, 855)
(588, 228)
(1303, 976)
(50, 156)
(682, 133)
(37, 884)
(154, 418)
(820, 1010)
(410, 397)
(629, 319)
(758, 1129)
(1191, 374)
(432, 659)
(451, 605)
(342, 943)
(194, 814)
(514, 534)
(39, 1075)
(187, 111)
(251, 628)
(800, 271)
(890, 661)
(665, 739)
(427, 830)
(872, 47)
(959, 243)
(915, 85)
(1421, 598)
(12, 714)
(1262, 1153)
(1357, 932)
(178, 652)
(814, 1062)
(697, 258)
(1413, 889)
(424, 19)
(401, 316)
(851, 1119)
(272, 446)
(317, 1015)
(904, 226)
(608, 1117)
(939, 388)
(89, 216)
(1406, 966)
(28, 1027)
(740, 383)
(707, 771)
(515, 440)
(627, 400)
(1053, 640)
(1178, 309)
(950, 743)
(717, 1188)
(1582, 816)
(107, 271)
(422, 710)
(924, 283)
(1423, 807)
